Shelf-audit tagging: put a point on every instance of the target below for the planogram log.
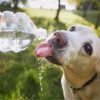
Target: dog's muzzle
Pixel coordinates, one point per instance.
(51, 48)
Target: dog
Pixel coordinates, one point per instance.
(77, 51)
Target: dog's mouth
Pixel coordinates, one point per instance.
(45, 49)
(51, 49)
(54, 60)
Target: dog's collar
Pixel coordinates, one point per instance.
(87, 83)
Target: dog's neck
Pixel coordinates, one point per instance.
(77, 80)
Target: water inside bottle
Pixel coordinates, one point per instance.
(15, 41)
(18, 31)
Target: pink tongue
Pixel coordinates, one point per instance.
(43, 50)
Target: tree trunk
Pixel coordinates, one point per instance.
(97, 21)
(84, 12)
(16, 5)
(58, 11)
(85, 9)
(87, 6)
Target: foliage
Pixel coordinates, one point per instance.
(14, 1)
(90, 4)
(86, 5)
(11, 5)
(94, 4)
(5, 6)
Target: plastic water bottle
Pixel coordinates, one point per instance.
(17, 31)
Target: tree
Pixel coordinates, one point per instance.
(86, 5)
(58, 11)
(5, 6)
(97, 21)
(16, 2)
(92, 4)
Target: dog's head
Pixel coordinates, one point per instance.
(77, 46)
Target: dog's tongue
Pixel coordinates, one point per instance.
(43, 50)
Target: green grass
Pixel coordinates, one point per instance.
(20, 73)
(45, 18)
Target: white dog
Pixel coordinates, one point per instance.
(77, 50)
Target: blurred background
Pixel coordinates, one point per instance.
(22, 75)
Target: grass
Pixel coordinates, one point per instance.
(45, 18)
(20, 74)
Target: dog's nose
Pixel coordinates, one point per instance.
(59, 39)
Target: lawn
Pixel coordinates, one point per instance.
(45, 18)
(23, 76)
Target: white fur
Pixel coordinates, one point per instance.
(79, 67)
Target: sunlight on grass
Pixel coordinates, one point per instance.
(40, 13)
(66, 17)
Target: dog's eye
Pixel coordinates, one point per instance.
(72, 28)
(88, 48)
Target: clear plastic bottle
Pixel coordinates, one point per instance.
(17, 31)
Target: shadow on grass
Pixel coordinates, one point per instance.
(8, 80)
(31, 88)
(54, 84)
(18, 77)
(49, 24)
